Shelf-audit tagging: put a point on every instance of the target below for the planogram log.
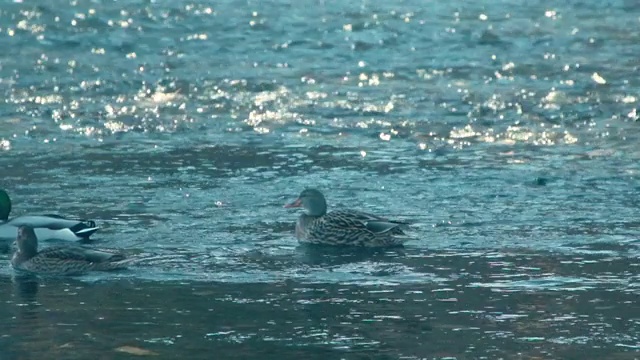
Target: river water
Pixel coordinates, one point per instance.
(506, 131)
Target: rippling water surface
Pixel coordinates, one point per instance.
(506, 131)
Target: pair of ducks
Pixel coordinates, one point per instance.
(57, 260)
(315, 226)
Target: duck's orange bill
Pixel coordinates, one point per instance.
(297, 203)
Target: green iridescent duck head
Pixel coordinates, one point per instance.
(5, 205)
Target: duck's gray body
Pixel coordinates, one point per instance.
(49, 227)
(46, 227)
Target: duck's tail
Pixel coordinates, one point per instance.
(84, 228)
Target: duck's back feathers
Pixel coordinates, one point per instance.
(53, 222)
(373, 223)
(81, 253)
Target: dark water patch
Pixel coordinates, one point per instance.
(509, 302)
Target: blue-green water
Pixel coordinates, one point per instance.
(506, 131)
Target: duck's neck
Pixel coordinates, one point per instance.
(305, 218)
(20, 256)
(305, 223)
(28, 248)
(316, 211)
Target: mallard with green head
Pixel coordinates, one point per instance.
(343, 227)
(61, 260)
(46, 227)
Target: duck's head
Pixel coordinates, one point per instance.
(312, 201)
(5, 205)
(27, 242)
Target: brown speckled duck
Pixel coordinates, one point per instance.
(342, 227)
(61, 260)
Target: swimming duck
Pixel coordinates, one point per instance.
(342, 227)
(47, 227)
(61, 260)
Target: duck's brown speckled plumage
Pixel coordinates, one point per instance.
(343, 227)
(62, 260)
